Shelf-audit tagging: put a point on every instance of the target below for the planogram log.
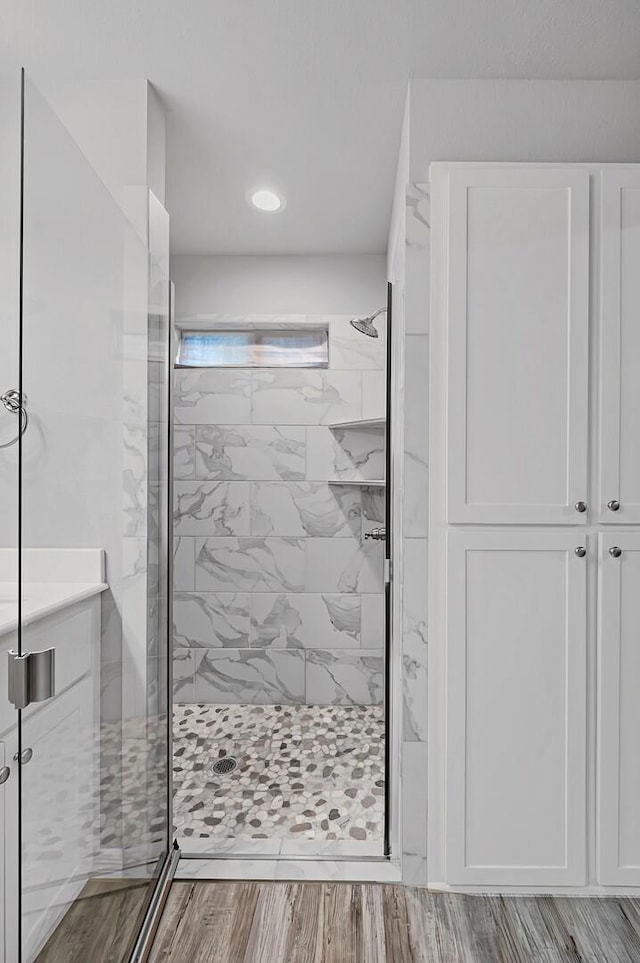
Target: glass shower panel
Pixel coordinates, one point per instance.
(94, 755)
(9, 425)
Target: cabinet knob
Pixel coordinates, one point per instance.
(580, 506)
(613, 505)
(615, 552)
(5, 772)
(24, 757)
(580, 551)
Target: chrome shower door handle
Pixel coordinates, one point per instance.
(31, 677)
(15, 403)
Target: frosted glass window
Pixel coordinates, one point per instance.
(275, 348)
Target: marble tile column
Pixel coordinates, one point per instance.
(416, 442)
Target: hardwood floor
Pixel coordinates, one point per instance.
(353, 923)
(101, 924)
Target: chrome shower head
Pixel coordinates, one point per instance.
(365, 325)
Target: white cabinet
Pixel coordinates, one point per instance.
(620, 347)
(59, 804)
(3, 852)
(534, 407)
(516, 708)
(517, 321)
(619, 709)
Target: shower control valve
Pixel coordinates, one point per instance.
(378, 534)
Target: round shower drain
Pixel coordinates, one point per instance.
(225, 765)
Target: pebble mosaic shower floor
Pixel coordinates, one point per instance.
(303, 772)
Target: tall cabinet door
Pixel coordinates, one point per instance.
(518, 316)
(516, 708)
(619, 709)
(620, 348)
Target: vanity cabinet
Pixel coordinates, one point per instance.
(534, 598)
(3, 850)
(60, 772)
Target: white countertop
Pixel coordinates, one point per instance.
(40, 599)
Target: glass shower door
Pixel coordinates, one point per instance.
(91, 671)
(9, 423)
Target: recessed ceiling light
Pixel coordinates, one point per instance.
(266, 200)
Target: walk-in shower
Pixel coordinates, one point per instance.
(280, 521)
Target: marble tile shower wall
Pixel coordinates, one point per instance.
(415, 500)
(278, 598)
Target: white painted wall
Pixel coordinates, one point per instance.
(397, 232)
(523, 120)
(207, 284)
(120, 128)
(9, 288)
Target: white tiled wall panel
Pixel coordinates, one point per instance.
(278, 598)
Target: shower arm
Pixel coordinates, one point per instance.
(15, 403)
(375, 314)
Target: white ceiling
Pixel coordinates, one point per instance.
(304, 95)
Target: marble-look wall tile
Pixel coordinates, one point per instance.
(345, 677)
(416, 498)
(298, 397)
(374, 508)
(265, 676)
(416, 436)
(183, 669)
(184, 451)
(242, 592)
(344, 565)
(184, 577)
(304, 508)
(417, 254)
(374, 394)
(211, 508)
(373, 625)
(414, 811)
(414, 646)
(417, 291)
(157, 442)
(250, 564)
(305, 621)
(345, 453)
(219, 620)
(212, 396)
(258, 452)
(352, 350)
(414, 636)
(134, 479)
(111, 691)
